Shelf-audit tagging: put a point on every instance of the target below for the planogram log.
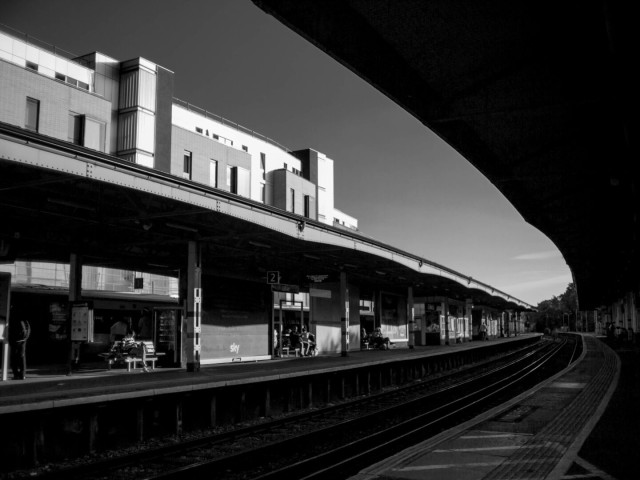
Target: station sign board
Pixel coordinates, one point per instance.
(317, 278)
(282, 287)
(273, 277)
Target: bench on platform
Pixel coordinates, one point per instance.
(146, 352)
(286, 350)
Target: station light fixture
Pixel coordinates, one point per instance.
(181, 227)
(258, 244)
(68, 203)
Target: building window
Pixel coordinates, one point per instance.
(86, 131)
(263, 165)
(32, 117)
(93, 134)
(74, 133)
(286, 166)
(307, 206)
(245, 148)
(263, 197)
(32, 66)
(213, 173)
(293, 200)
(232, 179)
(187, 165)
(199, 130)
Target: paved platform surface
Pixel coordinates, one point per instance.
(49, 387)
(538, 435)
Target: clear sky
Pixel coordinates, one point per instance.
(405, 186)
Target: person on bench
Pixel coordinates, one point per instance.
(378, 340)
(365, 338)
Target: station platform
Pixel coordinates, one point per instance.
(50, 387)
(538, 435)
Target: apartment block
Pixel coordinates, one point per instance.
(127, 109)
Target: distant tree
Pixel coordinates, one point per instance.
(569, 299)
(553, 312)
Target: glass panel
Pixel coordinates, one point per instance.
(146, 132)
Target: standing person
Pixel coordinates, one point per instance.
(118, 330)
(483, 331)
(144, 330)
(295, 339)
(19, 331)
(308, 342)
(275, 342)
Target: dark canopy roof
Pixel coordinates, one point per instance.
(537, 95)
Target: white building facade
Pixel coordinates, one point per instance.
(127, 109)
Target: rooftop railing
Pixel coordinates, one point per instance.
(228, 123)
(36, 42)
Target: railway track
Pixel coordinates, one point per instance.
(342, 461)
(343, 436)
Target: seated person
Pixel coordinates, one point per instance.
(295, 339)
(378, 340)
(135, 349)
(364, 336)
(286, 338)
(129, 346)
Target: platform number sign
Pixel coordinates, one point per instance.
(273, 277)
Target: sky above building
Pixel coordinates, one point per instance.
(405, 185)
